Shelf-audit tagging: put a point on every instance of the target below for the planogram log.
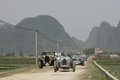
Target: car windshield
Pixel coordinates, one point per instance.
(47, 53)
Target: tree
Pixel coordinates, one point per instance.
(21, 54)
(10, 54)
(88, 51)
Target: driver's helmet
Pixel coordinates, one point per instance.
(62, 54)
(69, 55)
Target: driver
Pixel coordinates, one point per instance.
(69, 56)
(62, 54)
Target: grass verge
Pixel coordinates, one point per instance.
(112, 65)
(15, 71)
(10, 65)
(92, 72)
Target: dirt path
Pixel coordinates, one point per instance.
(48, 74)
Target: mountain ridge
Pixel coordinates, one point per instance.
(22, 40)
(105, 37)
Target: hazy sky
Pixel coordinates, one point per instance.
(78, 17)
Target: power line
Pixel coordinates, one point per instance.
(36, 38)
(11, 25)
(50, 39)
(25, 28)
(46, 37)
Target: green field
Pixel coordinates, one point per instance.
(13, 63)
(112, 65)
(93, 72)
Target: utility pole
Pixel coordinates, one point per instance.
(57, 46)
(44, 44)
(36, 46)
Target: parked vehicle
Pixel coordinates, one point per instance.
(65, 62)
(46, 57)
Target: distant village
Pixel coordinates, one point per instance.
(101, 53)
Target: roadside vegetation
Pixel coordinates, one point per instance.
(11, 64)
(112, 65)
(92, 72)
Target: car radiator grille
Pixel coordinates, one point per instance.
(47, 59)
(64, 62)
(79, 59)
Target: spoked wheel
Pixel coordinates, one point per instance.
(83, 64)
(40, 65)
(74, 66)
(55, 66)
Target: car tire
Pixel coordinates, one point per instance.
(40, 65)
(55, 66)
(74, 66)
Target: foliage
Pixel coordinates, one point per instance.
(16, 60)
(21, 54)
(93, 72)
(10, 54)
(11, 63)
(107, 61)
(88, 51)
(112, 65)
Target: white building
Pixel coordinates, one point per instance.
(98, 51)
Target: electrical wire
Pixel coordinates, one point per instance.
(11, 25)
(50, 39)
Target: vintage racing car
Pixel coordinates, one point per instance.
(46, 57)
(79, 58)
(64, 62)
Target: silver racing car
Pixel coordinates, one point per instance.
(64, 62)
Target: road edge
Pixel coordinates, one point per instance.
(108, 75)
